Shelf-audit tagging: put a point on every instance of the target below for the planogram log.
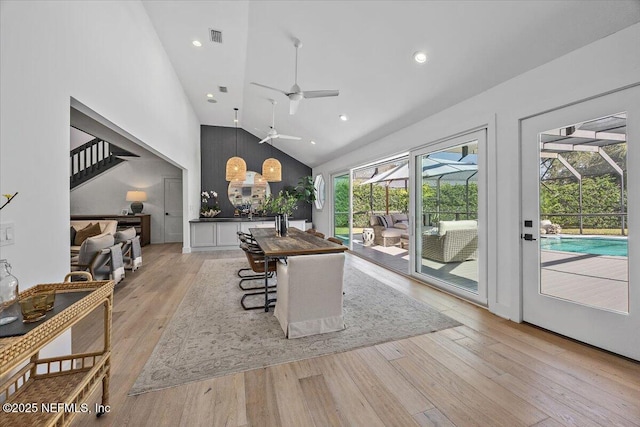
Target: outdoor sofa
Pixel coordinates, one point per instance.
(455, 241)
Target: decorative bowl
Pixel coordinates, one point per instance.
(209, 214)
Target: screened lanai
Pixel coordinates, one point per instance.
(588, 150)
(583, 213)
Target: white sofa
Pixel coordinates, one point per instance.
(388, 229)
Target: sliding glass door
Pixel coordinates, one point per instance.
(341, 208)
(449, 216)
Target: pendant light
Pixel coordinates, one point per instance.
(272, 169)
(236, 166)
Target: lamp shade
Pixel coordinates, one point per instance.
(272, 170)
(136, 196)
(236, 169)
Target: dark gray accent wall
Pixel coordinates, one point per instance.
(218, 144)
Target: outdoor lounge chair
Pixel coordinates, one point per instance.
(456, 241)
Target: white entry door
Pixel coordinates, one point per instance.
(172, 210)
(580, 217)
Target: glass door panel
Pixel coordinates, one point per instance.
(583, 210)
(448, 208)
(341, 211)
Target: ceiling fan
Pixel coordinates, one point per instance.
(295, 94)
(273, 133)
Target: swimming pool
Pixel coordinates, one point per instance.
(586, 245)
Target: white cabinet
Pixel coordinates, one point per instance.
(215, 235)
(227, 233)
(203, 234)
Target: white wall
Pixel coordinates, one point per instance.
(606, 65)
(107, 56)
(106, 194)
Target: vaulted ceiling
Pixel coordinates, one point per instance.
(365, 49)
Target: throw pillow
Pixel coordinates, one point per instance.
(73, 236)
(383, 221)
(400, 217)
(89, 231)
(389, 221)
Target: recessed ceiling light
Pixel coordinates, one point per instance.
(313, 143)
(344, 117)
(420, 57)
(209, 95)
(196, 43)
(211, 100)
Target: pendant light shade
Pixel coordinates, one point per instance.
(236, 166)
(272, 170)
(236, 169)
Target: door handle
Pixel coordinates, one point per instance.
(527, 236)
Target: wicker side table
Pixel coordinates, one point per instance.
(49, 392)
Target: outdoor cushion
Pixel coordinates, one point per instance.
(386, 220)
(444, 226)
(400, 217)
(403, 225)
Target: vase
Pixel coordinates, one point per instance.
(8, 294)
(282, 223)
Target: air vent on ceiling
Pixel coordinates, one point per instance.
(216, 35)
(222, 89)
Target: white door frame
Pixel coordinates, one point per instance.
(333, 204)
(614, 331)
(479, 134)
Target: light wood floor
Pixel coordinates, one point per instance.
(488, 372)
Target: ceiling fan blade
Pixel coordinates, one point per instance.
(265, 140)
(288, 137)
(269, 87)
(293, 106)
(320, 93)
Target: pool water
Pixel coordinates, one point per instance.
(586, 245)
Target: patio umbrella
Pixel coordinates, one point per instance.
(395, 178)
(461, 170)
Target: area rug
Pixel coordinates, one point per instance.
(210, 335)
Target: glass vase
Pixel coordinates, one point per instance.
(8, 294)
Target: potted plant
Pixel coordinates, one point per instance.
(209, 204)
(305, 190)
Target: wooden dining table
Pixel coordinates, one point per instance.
(296, 242)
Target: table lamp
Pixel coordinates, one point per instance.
(137, 197)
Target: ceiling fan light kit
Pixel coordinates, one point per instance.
(236, 169)
(295, 94)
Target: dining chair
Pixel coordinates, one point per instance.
(248, 240)
(256, 259)
(310, 295)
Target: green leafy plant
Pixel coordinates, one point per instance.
(305, 191)
(283, 203)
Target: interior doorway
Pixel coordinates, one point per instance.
(172, 210)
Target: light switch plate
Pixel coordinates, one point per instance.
(7, 234)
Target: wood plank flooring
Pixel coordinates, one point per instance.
(487, 372)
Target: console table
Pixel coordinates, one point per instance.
(141, 222)
(49, 392)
